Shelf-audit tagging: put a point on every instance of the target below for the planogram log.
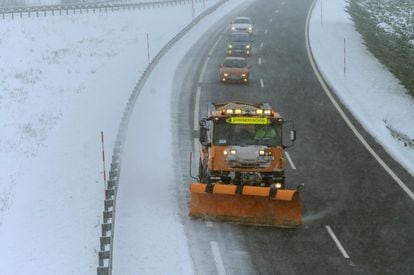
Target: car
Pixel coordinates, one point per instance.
(242, 24)
(239, 43)
(235, 69)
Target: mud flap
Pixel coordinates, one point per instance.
(250, 205)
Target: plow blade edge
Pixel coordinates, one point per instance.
(248, 205)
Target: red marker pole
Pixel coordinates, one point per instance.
(103, 157)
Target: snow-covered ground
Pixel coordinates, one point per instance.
(63, 80)
(366, 87)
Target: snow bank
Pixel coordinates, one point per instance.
(367, 89)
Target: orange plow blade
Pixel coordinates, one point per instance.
(249, 205)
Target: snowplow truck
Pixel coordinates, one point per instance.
(241, 175)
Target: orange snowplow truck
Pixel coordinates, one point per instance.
(241, 167)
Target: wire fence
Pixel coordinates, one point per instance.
(87, 7)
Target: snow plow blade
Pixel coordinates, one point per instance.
(247, 204)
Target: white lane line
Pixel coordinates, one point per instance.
(261, 83)
(260, 60)
(290, 160)
(338, 244)
(203, 70)
(270, 21)
(345, 117)
(214, 46)
(217, 258)
(197, 108)
(265, 32)
(261, 45)
(209, 224)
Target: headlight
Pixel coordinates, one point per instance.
(247, 46)
(230, 46)
(278, 185)
(226, 74)
(232, 152)
(233, 28)
(243, 75)
(250, 29)
(261, 152)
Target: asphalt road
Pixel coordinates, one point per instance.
(356, 218)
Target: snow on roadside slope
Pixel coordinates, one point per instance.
(368, 89)
(149, 237)
(63, 80)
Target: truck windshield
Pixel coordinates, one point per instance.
(246, 134)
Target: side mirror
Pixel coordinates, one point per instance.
(288, 134)
(203, 133)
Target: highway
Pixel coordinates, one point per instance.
(356, 218)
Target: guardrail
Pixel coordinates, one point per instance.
(108, 225)
(37, 11)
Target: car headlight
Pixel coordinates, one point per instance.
(247, 46)
(230, 46)
(261, 152)
(233, 28)
(243, 75)
(250, 29)
(278, 185)
(231, 152)
(226, 74)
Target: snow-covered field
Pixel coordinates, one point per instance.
(63, 80)
(366, 87)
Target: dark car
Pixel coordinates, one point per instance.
(239, 44)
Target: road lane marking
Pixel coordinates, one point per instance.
(197, 108)
(215, 45)
(260, 60)
(290, 160)
(217, 258)
(265, 32)
(203, 70)
(338, 244)
(261, 83)
(345, 117)
(261, 45)
(270, 21)
(209, 224)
